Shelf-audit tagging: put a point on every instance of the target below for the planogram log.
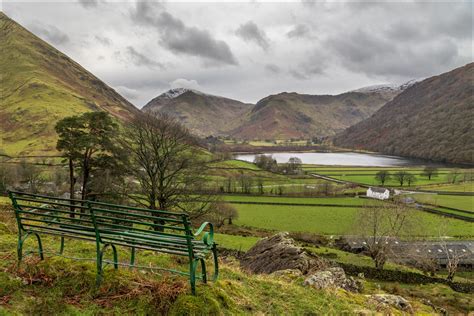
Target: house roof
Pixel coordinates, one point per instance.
(379, 190)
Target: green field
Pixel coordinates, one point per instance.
(370, 180)
(458, 187)
(366, 175)
(297, 200)
(235, 242)
(334, 220)
(456, 201)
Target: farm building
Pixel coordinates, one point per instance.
(378, 193)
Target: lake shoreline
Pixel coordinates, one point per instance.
(345, 158)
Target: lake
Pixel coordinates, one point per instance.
(342, 159)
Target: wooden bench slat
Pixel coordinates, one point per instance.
(138, 222)
(172, 220)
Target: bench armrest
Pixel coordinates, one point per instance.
(208, 237)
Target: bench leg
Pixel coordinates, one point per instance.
(216, 263)
(203, 271)
(100, 257)
(132, 258)
(61, 246)
(21, 241)
(192, 275)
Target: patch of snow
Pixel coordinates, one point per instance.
(176, 92)
(387, 87)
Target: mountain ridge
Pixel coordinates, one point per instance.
(432, 119)
(40, 85)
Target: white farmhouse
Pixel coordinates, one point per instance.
(378, 193)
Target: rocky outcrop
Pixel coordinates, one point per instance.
(393, 301)
(332, 278)
(280, 252)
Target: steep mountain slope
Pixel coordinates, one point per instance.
(432, 119)
(293, 115)
(202, 113)
(39, 86)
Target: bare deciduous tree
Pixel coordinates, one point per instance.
(221, 212)
(382, 176)
(430, 172)
(454, 175)
(401, 176)
(31, 175)
(168, 165)
(380, 226)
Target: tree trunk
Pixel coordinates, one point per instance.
(85, 176)
(72, 182)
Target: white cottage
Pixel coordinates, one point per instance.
(378, 193)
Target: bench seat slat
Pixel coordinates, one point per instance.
(108, 225)
(162, 242)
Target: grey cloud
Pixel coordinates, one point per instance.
(139, 59)
(182, 39)
(89, 3)
(298, 74)
(51, 33)
(250, 32)
(306, 70)
(103, 40)
(299, 30)
(272, 68)
(375, 56)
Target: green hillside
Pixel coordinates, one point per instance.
(431, 120)
(39, 86)
(293, 115)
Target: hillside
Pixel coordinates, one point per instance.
(431, 119)
(293, 115)
(202, 113)
(39, 86)
(63, 286)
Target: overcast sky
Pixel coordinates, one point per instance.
(248, 50)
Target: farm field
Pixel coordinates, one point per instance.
(234, 163)
(298, 200)
(456, 201)
(333, 220)
(369, 179)
(235, 242)
(467, 186)
(460, 213)
(366, 175)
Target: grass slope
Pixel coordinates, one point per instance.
(61, 286)
(39, 86)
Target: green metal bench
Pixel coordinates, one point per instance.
(110, 225)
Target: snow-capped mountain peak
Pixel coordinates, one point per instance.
(174, 93)
(387, 87)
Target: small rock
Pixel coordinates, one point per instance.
(332, 278)
(289, 274)
(393, 300)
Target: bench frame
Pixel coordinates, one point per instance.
(94, 232)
